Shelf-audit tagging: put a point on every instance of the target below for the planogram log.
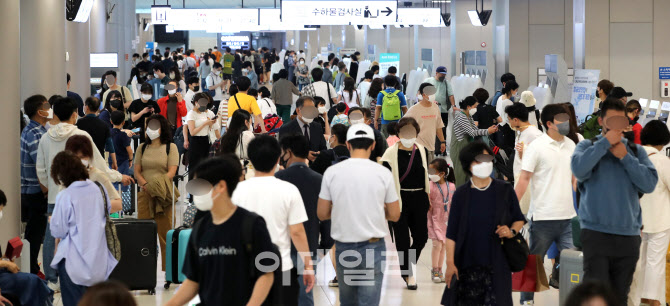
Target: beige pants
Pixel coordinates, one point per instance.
(163, 225)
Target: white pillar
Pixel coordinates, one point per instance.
(417, 49)
(579, 33)
(388, 39)
(9, 117)
(98, 26)
(77, 45)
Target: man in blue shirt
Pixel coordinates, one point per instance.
(612, 174)
(251, 74)
(503, 79)
(390, 82)
(33, 194)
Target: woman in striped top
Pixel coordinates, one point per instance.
(465, 130)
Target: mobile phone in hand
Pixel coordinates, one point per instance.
(135, 130)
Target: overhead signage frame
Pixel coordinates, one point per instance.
(341, 12)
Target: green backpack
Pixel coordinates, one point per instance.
(591, 128)
(391, 106)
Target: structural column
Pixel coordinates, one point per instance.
(9, 119)
(77, 45)
(42, 47)
(98, 26)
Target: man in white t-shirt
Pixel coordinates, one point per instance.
(214, 81)
(280, 204)
(321, 89)
(546, 163)
(359, 196)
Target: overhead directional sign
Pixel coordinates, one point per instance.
(342, 12)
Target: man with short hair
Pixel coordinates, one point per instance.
(280, 204)
(546, 167)
(444, 95)
(227, 63)
(295, 150)
(33, 194)
(620, 94)
(394, 71)
(275, 68)
(97, 129)
(249, 72)
(359, 237)
(603, 89)
(282, 94)
(375, 72)
(111, 82)
(217, 54)
(224, 278)
(364, 86)
(319, 88)
(380, 142)
(427, 114)
(304, 125)
(160, 74)
(612, 174)
(245, 102)
(389, 113)
(214, 82)
(76, 97)
(506, 77)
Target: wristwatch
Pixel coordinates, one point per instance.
(514, 232)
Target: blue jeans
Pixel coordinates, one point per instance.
(542, 235)
(48, 250)
(305, 298)
(71, 293)
(360, 271)
(29, 288)
(123, 169)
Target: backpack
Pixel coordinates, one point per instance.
(539, 121)
(391, 106)
(337, 158)
(257, 61)
(275, 295)
(591, 128)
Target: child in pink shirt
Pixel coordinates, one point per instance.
(442, 188)
(393, 134)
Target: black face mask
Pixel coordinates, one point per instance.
(283, 162)
(441, 78)
(116, 104)
(196, 88)
(629, 135)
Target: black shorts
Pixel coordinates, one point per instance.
(268, 66)
(227, 76)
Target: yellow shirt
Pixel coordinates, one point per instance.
(246, 102)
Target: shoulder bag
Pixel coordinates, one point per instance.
(113, 243)
(409, 166)
(516, 248)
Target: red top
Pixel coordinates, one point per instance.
(181, 109)
(637, 130)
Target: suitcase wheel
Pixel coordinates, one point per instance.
(152, 291)
(167, 285)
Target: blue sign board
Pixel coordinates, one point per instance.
(664, 73)
(584, 92)
(149, 45)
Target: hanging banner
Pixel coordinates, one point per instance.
(387, 60)
(341, 12)
(583, 92)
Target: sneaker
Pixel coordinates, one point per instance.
(441, 277)
(333, 282)
(54, 286)
(435, 275)
(528, 303)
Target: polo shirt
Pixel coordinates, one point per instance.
(551, 183)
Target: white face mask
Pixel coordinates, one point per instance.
(362, 120)
(308, 121)
(473, 111)
(50, 113)
(408, 143)
(172, 75)
(85, 162)
(153, 134)
(172, 92)
(322, 109)
(245, 70)
(431, 98)
(0, 214)
(156, 76)
(434, 178)
(302, 62)
(204, 202)
(482, 170)
(146, 97)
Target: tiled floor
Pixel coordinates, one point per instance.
(394, 291)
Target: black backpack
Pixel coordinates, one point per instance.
(275, 295)
(337, 158)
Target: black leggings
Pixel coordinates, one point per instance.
(413, 218)
(198, 150)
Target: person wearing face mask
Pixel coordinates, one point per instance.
(546, 169)
(172, 107)
(201, 123)
(193, 88)
(336, 152)
(143, 108)
(111, 82)
(156, 162)
(265, 102)
(612, 173)
(322, 119)
(302, 72)
(633, 109)
(223, 280)
(304, 125)
(320, 88)
(441, 192)
(407, 161)
(214, 84)
(294, 160)
(526, 133)
(176, 75)
(341, 117)
(484, 211)
(465, 132)
(33, 194)
(51, 144)
(506, 77)
(427, 113)
(162, 78)
(508, 92)
(444, 96)
(249, 72)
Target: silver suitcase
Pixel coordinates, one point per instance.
(571, 273)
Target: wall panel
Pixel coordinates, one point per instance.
(630, 57)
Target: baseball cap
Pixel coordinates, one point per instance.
(360, 130)
(619, 92)
(441, 69)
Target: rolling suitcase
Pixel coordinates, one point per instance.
(571, 273)
(139, 255)
(175, 251)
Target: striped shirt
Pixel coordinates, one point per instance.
(465, 126)
(30, 140)
(223, 114)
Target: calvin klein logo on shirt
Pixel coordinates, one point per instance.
(222, 250)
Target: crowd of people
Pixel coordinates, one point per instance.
(351, 165)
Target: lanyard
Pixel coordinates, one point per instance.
(445, 200)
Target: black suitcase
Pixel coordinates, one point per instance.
(139, 253)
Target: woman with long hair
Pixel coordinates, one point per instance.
(206, 64)
(237, 67)
(376, 86)
(238, 136)
(113, 103)
(176, 76)
(349, 94)
(505, 100)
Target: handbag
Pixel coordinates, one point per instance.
(113, 243)
(516, 248)
(532, 278)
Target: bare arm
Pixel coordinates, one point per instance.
(195, 130)
(522, 185)
(392, 211)
(451, 100)
(187, 291)
(261, 289)
(299, 238)
(172, 171)
(324, 208)
(258, 121)
(404, 110)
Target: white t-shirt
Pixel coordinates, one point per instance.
(211, 81)
(526, 137)
(352, 102)
(500, 108)
(276, 67)
(363, 89)
(551, 183)
(358, 189)
(321, 90)
(199, 119)
(188, 99)
(279, 203)
(267, 107)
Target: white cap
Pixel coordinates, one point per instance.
(360, 130)
(527, 98)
